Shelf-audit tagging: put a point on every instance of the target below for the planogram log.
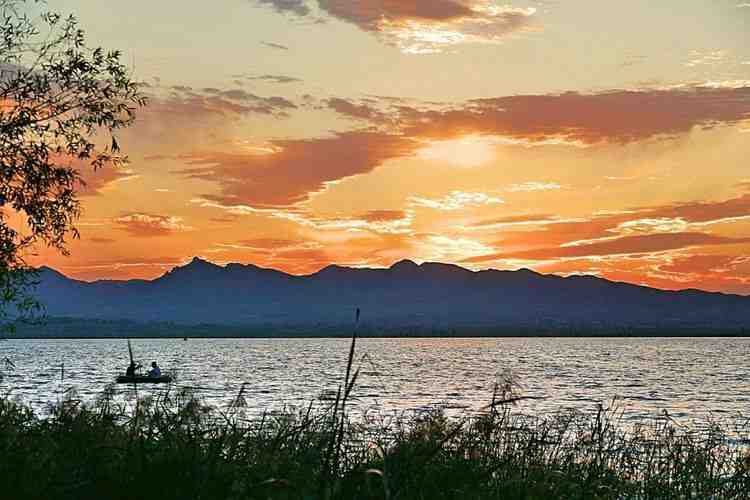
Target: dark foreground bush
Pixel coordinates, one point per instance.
(176, 448)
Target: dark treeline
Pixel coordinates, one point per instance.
(96, 328)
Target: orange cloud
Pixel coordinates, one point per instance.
(427, 26)
(299, 167)
(384, 215)
(702, 212)
(651, 229)
(372, 14)
(149, 225)
(647, 243)
(94, 181)
(662, 218)
(619, 116)
(701, 264)
(421, 26)
(667, 271)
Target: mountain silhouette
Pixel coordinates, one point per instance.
(431, 295)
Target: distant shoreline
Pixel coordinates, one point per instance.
(76, 328)
(385, 336)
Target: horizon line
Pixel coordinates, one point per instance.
(404, 261)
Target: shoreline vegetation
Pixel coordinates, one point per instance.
(173, 446)
(77, 328)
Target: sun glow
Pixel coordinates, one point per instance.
(468, 151)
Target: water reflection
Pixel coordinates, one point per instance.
(692, 378)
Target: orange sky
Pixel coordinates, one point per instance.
(611, 140)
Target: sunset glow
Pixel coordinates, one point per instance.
(572, 138)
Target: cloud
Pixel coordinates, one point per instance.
(449, 248)
(455, 200)
(149, 225)
(675, 217)
(652, 225)
(357, 111)
(700, 264)
(430, 26)
(372, 14)
(373, 221)
(710, 58)
(298, 7)
(515, 220)
(534, 186)
(626, 245)
(268, 78)
(96, 181)
(616, 116)
(293, 169)
(262, 104)
(421, 26)
(180, 117)
(673, 271)
(296, 169)
(272, 45)
(384, 215)
(182, 103)
(641, 230)
(268, 243)
(704, 211)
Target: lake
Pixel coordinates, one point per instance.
(691, 378)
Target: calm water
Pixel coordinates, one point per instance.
(692, 378)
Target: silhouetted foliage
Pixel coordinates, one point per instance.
(61, 103)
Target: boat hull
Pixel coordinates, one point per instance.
(122, 379)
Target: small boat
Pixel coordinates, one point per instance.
(143, 379)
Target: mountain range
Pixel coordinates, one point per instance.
(428, 295)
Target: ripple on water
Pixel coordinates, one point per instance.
(691, 377)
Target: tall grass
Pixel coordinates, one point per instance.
(175, 447)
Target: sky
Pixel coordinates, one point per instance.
(579, 136)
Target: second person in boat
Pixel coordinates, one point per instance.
(155, 371)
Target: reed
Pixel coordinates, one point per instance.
(176, 447)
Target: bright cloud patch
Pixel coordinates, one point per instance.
(484, 23)
(534, 186)
(456, 200)
(440, 247)
(660, 225)
(469, 151)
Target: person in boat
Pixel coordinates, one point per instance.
(155, 371)
(130, 372)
